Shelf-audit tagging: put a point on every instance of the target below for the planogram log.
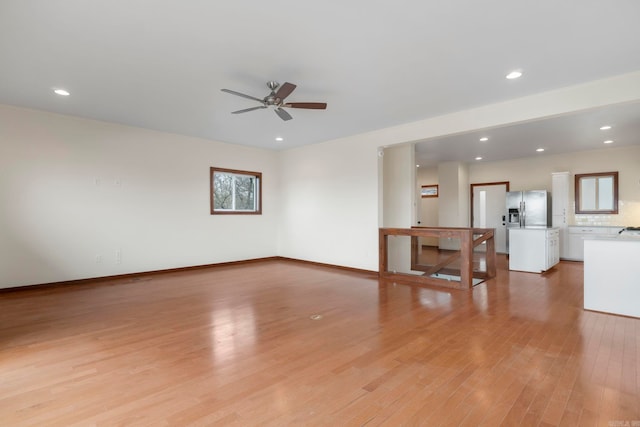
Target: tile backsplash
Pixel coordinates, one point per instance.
(628, 215)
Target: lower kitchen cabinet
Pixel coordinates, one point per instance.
(577, 235)
(533, 249)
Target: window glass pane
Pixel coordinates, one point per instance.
(605, 193)
(222, 191)
(235, 192)
(245, 192)
(588, 194)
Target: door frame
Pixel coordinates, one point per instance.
(483, 184)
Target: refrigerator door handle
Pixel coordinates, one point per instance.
(524, 214)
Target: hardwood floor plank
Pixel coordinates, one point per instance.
(236, 345)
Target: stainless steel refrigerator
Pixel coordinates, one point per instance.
(530, 208)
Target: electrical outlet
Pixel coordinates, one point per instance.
(98, 259)
(118, 256)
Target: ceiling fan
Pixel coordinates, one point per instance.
(276, 100)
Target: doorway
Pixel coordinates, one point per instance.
(488, 201)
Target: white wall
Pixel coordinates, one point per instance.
(329, 209)
(535, 173)
(399, 198)
(399, 189)
(453, 197)
(324, 208)
(453, 201)
(75, 189)
(319, 222)
(428, 206)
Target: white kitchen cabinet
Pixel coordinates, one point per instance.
(577, 235)
(575, 248)
(563, 235)
(560, 193)
(560, 182)
(533, 249)
(553, 248)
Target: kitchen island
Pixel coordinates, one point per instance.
(533, 249)
(612, 275)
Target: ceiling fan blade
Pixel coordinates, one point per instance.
(233, 92)
(248, 109)
(309, 105)
(283, 114)
(285, 90)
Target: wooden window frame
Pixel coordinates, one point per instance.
(258, 186)
(598, 175)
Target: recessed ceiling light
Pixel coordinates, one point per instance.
(514, 74)
(484, 138)
(608, 141)
(279, 138)
(607, 127)
(417, 166)
(478, 158)
(539, 150)
(61, 92)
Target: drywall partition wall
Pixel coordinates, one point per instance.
(452, 204)
(464, 196)
(399, 195)
(324, 220)
(448, 201)
(83, 198)
(428, 206)
(399, 201)
(329, 203)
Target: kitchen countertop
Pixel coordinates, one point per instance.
(620, 237)
(597, 226)
(533, 227)
(603, 228)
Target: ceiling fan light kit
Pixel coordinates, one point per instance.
(276, 99)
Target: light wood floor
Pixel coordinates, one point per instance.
(236, 346)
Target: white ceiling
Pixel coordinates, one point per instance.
(160, 64)
(563, 134)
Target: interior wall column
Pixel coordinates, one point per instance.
(399, 201)
(453, 199)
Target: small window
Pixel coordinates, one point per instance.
(235, 192)
(429, 191)
(596, 193)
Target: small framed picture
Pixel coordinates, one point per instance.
(429, 190)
